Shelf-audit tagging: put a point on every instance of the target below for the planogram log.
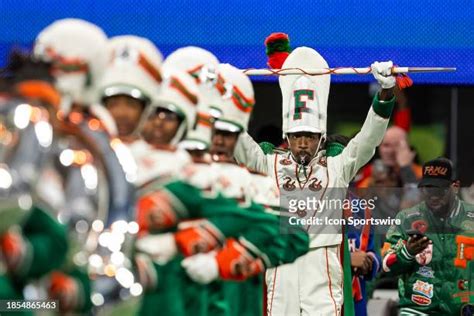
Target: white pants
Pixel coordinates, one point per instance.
(310, 286)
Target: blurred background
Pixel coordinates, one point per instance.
(437, 110)
(346, 33)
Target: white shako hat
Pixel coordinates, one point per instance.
(305, 98)
(199, 137)
(134, 69)
(78, 50)
(179, 93)
(192, 59)
(202, 66)
(237, 99)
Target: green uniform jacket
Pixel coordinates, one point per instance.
(46, 250)
(46, 247)
(438, 287)
(259, 230)
(262, 231)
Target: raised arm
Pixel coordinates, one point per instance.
(362, 147)
(249, 153)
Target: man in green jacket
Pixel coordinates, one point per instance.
(431, 246)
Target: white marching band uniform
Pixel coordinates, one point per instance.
(313, 284)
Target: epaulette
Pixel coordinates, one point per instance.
(333, 149)
(269, 149)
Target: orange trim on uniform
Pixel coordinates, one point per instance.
(155, 211)
(37, 89)
(322, 195)
(341, 264)
(178, 85)
(66, 64)
(220, 84)
(329, 278)
(194, 72)
(149, 68)
(241, 101)
(276, 173)
(204, 119)
(273, 290)
(195, 69)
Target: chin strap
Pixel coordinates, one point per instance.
(147, 111)
(179, 133)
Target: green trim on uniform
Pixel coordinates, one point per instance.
(239, 126)
(143, 98)
(267, 148)
(383, 108)
(170, 106)
(333, 149)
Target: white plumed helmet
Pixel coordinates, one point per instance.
(202, 66)
(237, 99)
(78, 50)
(191, 59)
(179, 93)
(133, 70)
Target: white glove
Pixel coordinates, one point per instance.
(383, 73)
(201, 268)
(161, 248)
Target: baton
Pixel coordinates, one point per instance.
(340, 71)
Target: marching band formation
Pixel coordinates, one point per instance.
(127, 174)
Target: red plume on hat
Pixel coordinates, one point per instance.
(277, 49)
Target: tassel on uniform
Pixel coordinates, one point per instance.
(277, 49)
